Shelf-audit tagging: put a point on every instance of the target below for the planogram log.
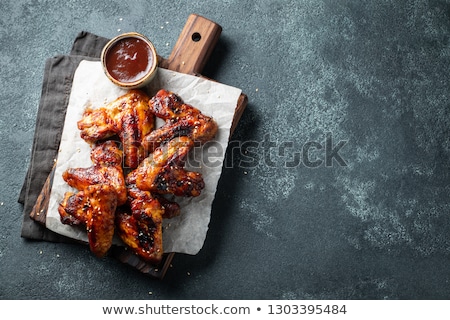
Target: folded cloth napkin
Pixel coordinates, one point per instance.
(56, 88)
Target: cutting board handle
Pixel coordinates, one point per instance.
(194, 46)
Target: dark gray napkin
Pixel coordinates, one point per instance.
(56, 88)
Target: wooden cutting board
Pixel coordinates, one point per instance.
(189, 55)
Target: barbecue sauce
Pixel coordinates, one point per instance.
(129, 60)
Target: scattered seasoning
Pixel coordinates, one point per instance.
(150, 293)
(118, 30)
(257, 90)
(245, 172)
(40, 252)
(188, 273)
(1, 203)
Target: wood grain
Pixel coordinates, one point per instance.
(194, 46)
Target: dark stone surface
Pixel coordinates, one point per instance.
(372, 223)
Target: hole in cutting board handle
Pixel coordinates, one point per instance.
(196, 37)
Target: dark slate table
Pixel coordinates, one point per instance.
(337, 185)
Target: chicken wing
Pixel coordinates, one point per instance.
(93, 207)
(107, 169)
(128, 116)
(162, 172)
(181, 120)
(170, 208)
(141, 230)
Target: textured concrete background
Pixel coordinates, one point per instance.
(373, 75)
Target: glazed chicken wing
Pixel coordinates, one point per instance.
(94, 207)
(107, 169)
(128, 116)
(181, 120)
(162, 172)
(170, 208)
(142, 229)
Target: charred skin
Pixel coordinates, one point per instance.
(72, 209)
(128, 117)
(181, 120)
(170, 208)
(139, 224)
(163, 173)
(94, 207)
(141, 229)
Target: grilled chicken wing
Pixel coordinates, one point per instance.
(72, 209)
(181, 120)
(128, 116)
(93, 207)
(107, 169)
(142, 229)
(162, 172)
(170, 208)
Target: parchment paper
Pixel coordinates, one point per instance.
(187, 232)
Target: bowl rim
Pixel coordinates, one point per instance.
(148, 76)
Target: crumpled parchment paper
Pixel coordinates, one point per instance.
(187, 232)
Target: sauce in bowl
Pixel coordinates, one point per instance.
(129, 60)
